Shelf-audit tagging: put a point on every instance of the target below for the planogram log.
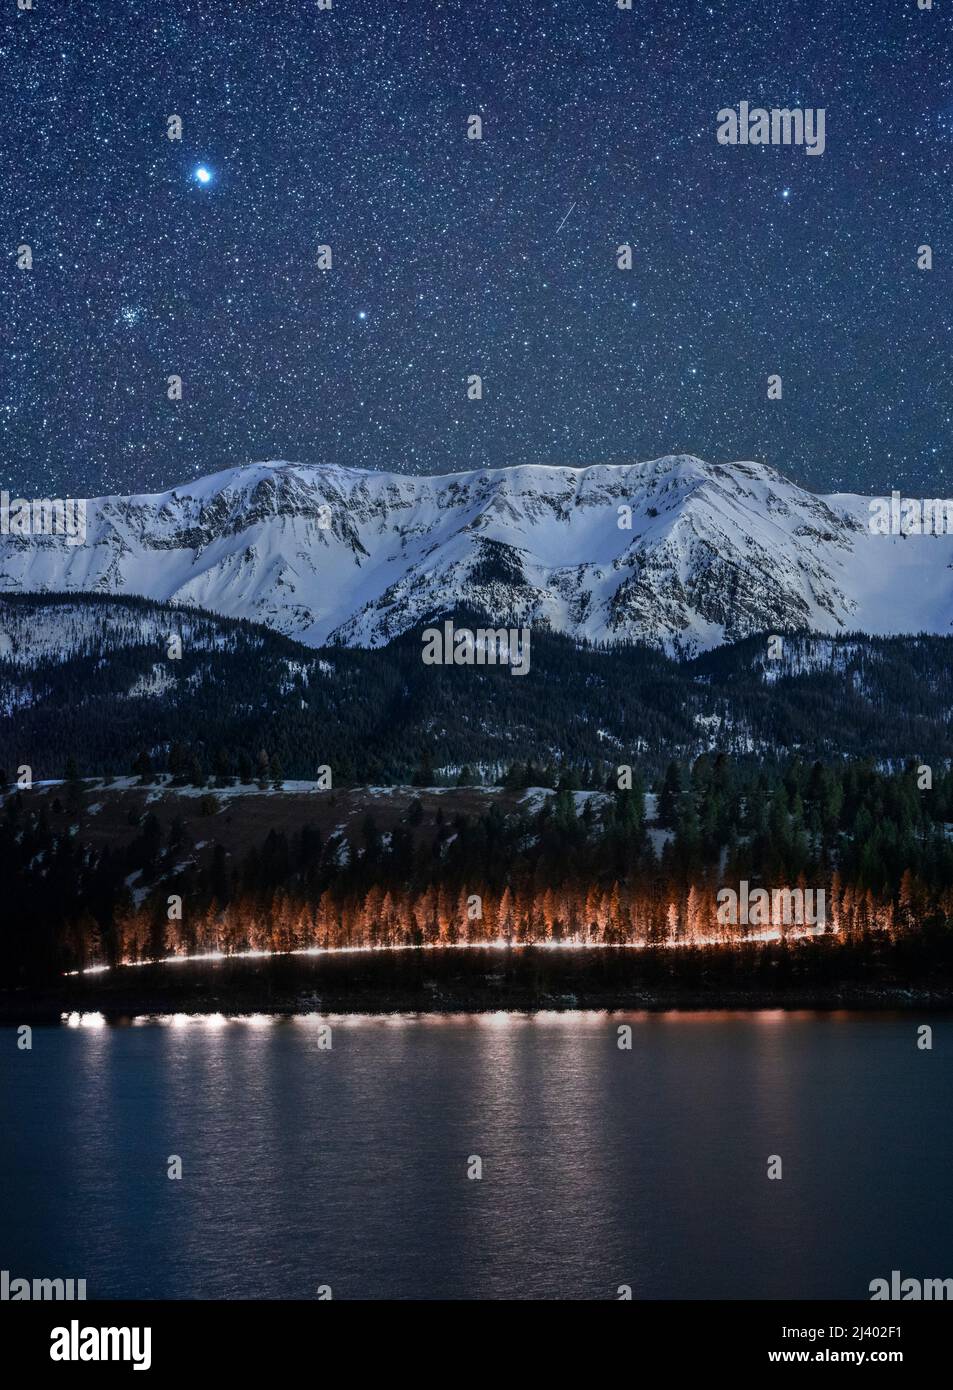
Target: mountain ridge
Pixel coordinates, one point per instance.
(672, 552)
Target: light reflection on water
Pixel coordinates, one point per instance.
(347, 1166)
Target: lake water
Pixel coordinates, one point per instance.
(347, 1167)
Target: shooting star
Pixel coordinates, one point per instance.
(563, 222)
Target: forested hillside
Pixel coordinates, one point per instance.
(93, 679)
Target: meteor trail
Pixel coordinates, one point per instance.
(563, 222)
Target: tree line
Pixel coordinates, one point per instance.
(581, 866)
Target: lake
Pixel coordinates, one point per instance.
(304, 1166)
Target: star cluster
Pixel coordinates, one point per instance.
(347, 128)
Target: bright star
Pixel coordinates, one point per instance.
(203, 175)
(785, 192)
(361, 313)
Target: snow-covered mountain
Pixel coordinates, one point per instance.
(325, 554)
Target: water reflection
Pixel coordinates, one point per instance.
(306, 1164)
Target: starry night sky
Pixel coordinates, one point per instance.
(453, 256)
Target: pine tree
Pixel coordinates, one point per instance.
(669, 806)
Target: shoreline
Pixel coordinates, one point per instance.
(530, 981)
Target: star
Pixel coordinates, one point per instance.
(203, 174)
